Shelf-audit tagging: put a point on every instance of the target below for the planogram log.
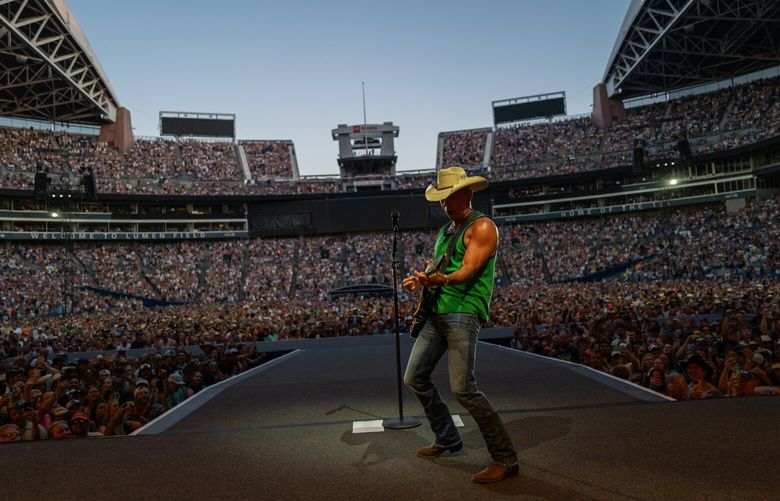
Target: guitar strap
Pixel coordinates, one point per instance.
(466, 223)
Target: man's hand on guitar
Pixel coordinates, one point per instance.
(412, 282)
(420, 279)
(431, 277)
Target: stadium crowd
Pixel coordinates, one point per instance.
(465, 148)
(686, 339)
(698, 243)
(701, 243)
(151, 166)
(694, 243)
(289, 187)
(713, 121)
(268, 159)
(688, 302)
(683, 337)
(47, 395)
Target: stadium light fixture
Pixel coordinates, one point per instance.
(55, 214)
(673, 182)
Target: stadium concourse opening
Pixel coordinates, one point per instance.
(232, 320)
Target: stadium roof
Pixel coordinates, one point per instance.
(665, 45)
(48, 70)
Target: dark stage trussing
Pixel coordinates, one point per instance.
(285, 432)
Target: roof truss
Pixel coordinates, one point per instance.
(45, 73)
(678, 43)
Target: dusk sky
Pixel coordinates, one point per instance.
(293, 69)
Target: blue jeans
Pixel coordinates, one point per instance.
(455, 334)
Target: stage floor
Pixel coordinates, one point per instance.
(285, 432)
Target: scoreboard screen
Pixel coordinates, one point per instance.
(197, 124)
(517, 110)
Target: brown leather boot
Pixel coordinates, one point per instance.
(435, 450)
(495, 473)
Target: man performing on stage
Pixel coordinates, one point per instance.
(458, 311)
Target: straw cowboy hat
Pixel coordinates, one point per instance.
(450, 180)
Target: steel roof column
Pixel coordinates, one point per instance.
(606, 110)
(118, 134)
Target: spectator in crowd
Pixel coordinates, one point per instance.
(24, 416)
(699, 373)
(79, 425)
(176, 392)
(59, 430)
(10, 433)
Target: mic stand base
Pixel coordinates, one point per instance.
(401, 423)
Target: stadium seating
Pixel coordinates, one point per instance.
(675, 281)
(268, 159)
(714, 121)
(464, 148)
(700, 243)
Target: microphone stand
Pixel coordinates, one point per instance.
(401, 422)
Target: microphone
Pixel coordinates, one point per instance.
(395, 216)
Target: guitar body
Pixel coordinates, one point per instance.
(428, 299)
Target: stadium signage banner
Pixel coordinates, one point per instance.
(618, 209)
(121, 236)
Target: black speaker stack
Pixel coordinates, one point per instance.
(41, 185)
(90, 186)
(684, 147)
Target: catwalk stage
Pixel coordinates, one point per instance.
(285, 431)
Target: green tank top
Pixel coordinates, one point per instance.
(473, 297)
